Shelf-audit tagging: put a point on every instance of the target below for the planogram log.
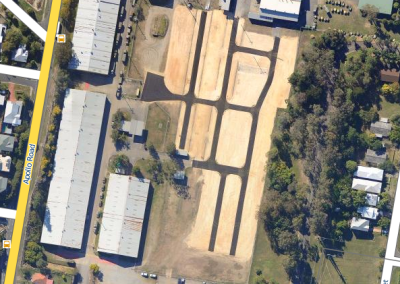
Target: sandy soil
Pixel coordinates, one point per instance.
(247, 68)
(200, 131)
(213, 56)
(234, 138)
(228, 214)
(247, 38)
(275, 99)
(181, 49)
(199, 237)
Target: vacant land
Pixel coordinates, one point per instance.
(388, 108)
(200, 131)
(213, 56)
(181, 49)
(234, 138)
(247, 38)
(395, 275)
(161, 124)
(247, 68)
(228, 214)
(276, 98)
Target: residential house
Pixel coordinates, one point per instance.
(3, 29)
(359, 224)
(369, 173)
(390, 76)
(20, 54)
(39, 278)
(381, 129)
(367, 185)
(375, 157)
(368, 212)
(5, 163)
(372, 199)
(3, 184)
(6, 143)
(13, 112)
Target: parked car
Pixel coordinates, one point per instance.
(181, 281)
(115, 55)
(118, 93)
(144, 274)
(131, 16)
(122, 11)
(154, 276)
(102, 196)
(101, 203)
(103, 188)
(120, 26)
(117, 39)
(99, 214)
(125, 56)
(120, 80)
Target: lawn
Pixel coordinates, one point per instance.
(388, 109)
(395, 276)
(266, 260)
(359, 263)
(25, 6)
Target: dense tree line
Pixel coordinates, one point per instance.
(333, 101)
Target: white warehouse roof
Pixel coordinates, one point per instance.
(75, 159)
(369, 173)
(93, 38)
(282, 6)
(124, 210)
(367, 185)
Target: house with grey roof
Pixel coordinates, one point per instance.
(12, 114)
(6, 143)
(368, 212)
(381, 129)
(372, 199)
(367, 185)
(123, 215)
(375, 157)
(3, 184)
(20, 54)
(369, 173)
(133, 127)
(359, 224)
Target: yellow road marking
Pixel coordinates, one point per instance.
(33, 138)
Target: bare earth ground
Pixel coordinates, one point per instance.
(260, 39)
(199, 237)
(213, 56)
(150, 53)
(228, 214)
(169, 230)
(234, 138)
(200, 131)
(181, 49)
(275, 99)
(247, 68)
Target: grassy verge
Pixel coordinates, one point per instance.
(395, 275)
(388, 109)
(158, 126)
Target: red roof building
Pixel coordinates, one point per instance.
(39, 278)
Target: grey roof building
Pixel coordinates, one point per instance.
(124, 211)
(375, 158)
(93, 39)
(133, 127)
(75, 159)
(381, 129)
(372, 199)
(359, 224)
(3, 184)
(6, 143)
(179, 175)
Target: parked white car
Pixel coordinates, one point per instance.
(144, 274)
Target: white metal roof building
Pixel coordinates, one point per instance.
(75, 159)
(93, 38)
(369, 173)
(367, 185)
(12, 114)
(225, 4)
(372, 199)
(359, 224)
(133, 127)
(123, 215)
(368, 212)
(288, 10)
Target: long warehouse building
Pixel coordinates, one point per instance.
(75, 159)
(93, 38)
(124, 211)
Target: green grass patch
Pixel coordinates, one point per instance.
(266, 260)
(395, 276)
(159, 128)
(21, 89)
(160, 26)
(359, 263)
(388, 109)
(26, 7)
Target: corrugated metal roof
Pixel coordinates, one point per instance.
(367, 185)
(369, 173)
(121, 227)
(75, 158)
(93, 38)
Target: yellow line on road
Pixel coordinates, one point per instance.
(33, 138)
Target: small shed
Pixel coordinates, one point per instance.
(368, 212)
(359, 224)
(381, 129)
(179, 175)
(182, 153)
(372, 199)
(390, 76)
(375, 157)
(6, 143)
(133, 127)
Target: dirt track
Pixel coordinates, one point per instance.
(181, 50)
(275, 99)
(213, 56)
(234, 138)
(247, 68)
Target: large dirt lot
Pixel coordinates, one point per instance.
(275, 99)
(247, 68)
(181, 49)
(254, 37)
(234, 138)
(228, 213)
(213, 56)
(172, 227)
(201, 131)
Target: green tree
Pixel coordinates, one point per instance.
(280, 176)
(351, 166)
(394, 135)
(33, 253)
(94, 268)
(384, 222)
(171, 149)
